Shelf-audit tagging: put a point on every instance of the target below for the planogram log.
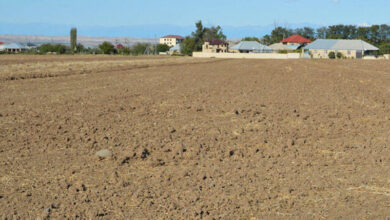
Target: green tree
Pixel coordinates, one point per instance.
(198, 35)
(162, 48)
(321, 32)
(52, 48)
(107, 48)
(279, 33)
(332, 55)
(339, 55)
(212, 33)
(140, 48)
(251, 39)
(384, 48)
(363, 33)
(266, 40)
(188, 46)
(80, 48)
(73, 40)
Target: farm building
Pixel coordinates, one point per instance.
(297, 40)
(215, 46)
(13, 48)
(171, 40)
(348, 48)
(250, 47)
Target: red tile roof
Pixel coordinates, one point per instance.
(296, 39)
(174, 36)
(217, 42)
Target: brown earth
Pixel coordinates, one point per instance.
(223, 139)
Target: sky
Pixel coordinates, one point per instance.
(50, 17)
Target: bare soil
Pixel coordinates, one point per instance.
(193, 138)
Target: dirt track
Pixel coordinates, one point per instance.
(223, 139)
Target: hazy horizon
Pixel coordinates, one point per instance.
(152, 18)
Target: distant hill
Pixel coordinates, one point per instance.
(148, 31)
(85, 40)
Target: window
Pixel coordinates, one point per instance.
(349, 52)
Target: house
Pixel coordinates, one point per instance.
(171, 40)
(13, 48)
(250, 47)
(215, 46)
(175, 50)
(296, 40)
(348, 48)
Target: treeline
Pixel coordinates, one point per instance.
(375, 34)
(104, 48)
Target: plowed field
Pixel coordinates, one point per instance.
(193, 138)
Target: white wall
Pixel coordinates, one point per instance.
(247, 55)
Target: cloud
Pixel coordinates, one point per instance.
(336, 1)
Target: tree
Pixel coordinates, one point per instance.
(321, 32)
(73, 40)
(140, 48)
(384, 48)
(308, 32)
(339, 55)
(266, 40)
(52, 48)
(188, 46)
(107, 48)
(80, 48)
(251, 39)
(199, 36)
(162, 48)
(332, 55)
(213, 33)
(279, 33)
(363, 33)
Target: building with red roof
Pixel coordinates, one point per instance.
(296, 40)
(171, 40)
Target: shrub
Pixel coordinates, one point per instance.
(339, 55)
(140, 48)
(162, 48)
(57, 48)
(124, 51)
(332, 55)
(107, 47)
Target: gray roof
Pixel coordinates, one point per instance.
(13, 46)
(322, 44)
(175, 48)
(281, 46)
(250, 45)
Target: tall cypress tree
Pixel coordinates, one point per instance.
(73, 39)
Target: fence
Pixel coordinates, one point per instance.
(247, 55)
